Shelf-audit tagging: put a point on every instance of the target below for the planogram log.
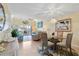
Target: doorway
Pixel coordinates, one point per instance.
(27, 33)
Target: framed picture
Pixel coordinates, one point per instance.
(63, 25)
(39, 24)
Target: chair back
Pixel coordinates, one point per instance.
(69, 40)
(44, 42)
(60, 36)
(44, 39)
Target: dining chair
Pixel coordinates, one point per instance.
(60, 36)
(44, 44)
(67, 44)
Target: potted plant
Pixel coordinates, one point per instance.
(14, 33)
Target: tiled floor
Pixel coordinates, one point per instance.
(29, 48)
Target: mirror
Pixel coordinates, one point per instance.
(2, 17)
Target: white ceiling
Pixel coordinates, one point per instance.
(42, 10)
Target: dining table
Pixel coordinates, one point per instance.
(54, 40)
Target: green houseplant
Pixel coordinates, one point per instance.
(14, 33)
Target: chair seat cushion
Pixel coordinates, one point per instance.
(50, 43)
(63, 43)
